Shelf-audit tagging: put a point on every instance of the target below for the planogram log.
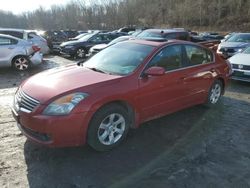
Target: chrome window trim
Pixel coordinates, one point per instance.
(183, 68)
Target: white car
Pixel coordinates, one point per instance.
(29, 35)
(241, 65)
(18, 53)
(234, 44)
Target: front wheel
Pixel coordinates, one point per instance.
(108, 127)
(80, 53)
(215, 93)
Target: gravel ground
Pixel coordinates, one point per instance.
(196, 147)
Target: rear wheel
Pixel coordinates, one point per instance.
(215, 93)
(108, 127)
(21, 63)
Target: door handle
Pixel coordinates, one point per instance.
(11, 48)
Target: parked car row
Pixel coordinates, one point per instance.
(80, 44)
(90, 44)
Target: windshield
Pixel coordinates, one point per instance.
(119, 39)
(146, 34)
(120, 59)
(246, 51)
(86, 37)
(239, 38)
(136, 33)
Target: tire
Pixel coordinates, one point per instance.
(215, 93)
(21, 63)
(80, 53)
(108, 127)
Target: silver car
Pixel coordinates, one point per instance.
(29, 35)
(241, 65)
(18, 53)
(234, 44)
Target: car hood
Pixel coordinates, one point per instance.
(99, 46)
(233, 44)
(49, 84)
(241, 58)
(68, 43)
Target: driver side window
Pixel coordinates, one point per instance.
(170, 58)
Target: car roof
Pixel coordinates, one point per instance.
(159, 44)
(242, 33)
(11, 29)
(166, 30)
(9, 36)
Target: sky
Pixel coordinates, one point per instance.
(19, 6)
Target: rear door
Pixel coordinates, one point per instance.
(160, 95)
(7, 48)
(201, 68)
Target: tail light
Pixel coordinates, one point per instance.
(36, 48)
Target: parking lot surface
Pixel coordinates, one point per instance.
(196, 147)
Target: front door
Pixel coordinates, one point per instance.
(160, 95)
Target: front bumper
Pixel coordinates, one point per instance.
(53, 131)
(241, 75)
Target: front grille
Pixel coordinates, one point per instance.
(24, 102)
(241, 67)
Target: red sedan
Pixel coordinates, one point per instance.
(119, 88)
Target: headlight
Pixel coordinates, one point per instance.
(240, 50)
(91, 50)
(68, 47)
(64, 105)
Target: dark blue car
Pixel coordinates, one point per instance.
(80, 47)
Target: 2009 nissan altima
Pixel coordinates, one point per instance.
(118, 89)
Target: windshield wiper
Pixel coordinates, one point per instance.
(96, 70)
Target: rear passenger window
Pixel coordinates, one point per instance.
(4, 41)
(197, 55)
(171, 36)
(97, 38)
(15, 34)
(170, 58)
(107, 37)
(183, 36)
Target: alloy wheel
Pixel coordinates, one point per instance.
(215, 93)
(111, 129)
(21, 63)
(80, 53)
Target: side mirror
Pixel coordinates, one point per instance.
(155, 71)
